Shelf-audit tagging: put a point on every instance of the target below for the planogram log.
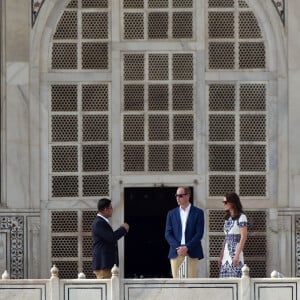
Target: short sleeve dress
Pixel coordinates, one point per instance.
(232, 238)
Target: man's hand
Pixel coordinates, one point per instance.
(182, 250)
(126, 226)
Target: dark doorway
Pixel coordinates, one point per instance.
(146, 250)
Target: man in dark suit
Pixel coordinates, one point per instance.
(105, 240)
(184, 231)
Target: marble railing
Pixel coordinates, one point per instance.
(245, 288)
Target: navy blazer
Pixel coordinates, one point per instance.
(105, 244)
(193, 232)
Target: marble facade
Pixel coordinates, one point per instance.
(26, 28)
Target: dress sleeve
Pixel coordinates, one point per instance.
(242, 221)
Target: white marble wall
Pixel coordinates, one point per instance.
(25, 292)
(158, 289)
(185, 289)
(293, 62)
(24, 159)
(16, 142)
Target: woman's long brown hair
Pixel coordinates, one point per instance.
(237, 205)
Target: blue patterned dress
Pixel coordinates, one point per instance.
(232, 238)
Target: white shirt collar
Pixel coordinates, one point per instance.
(185, 210)
(98, 214)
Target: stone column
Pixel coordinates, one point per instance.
(33, 256)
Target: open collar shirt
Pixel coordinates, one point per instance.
(98, 214)
(183, 216)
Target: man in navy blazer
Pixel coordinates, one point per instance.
(184, 231)
(105, 240)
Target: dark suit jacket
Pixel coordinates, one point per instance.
(105, 244)
(193, 232)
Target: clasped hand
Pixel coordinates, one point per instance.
(182, 250)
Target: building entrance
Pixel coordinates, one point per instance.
(146, 250)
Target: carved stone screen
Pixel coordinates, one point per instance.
(80, 158)
(237, 139)
(158, 128)
(168, 77)
(80, 129)
(80, 111)
(235, 41)
(71, 246)
(238, 110)
(12, 242)
(158, 19)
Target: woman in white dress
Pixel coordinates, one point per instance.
(231, 258)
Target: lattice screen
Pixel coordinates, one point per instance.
(80, 134)
(255, 251)
(82, 37)
(80, 112)
(235, 40)
(158, 19)
(71, 242)
(237, 146)
(158, 112)
(297, 244)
